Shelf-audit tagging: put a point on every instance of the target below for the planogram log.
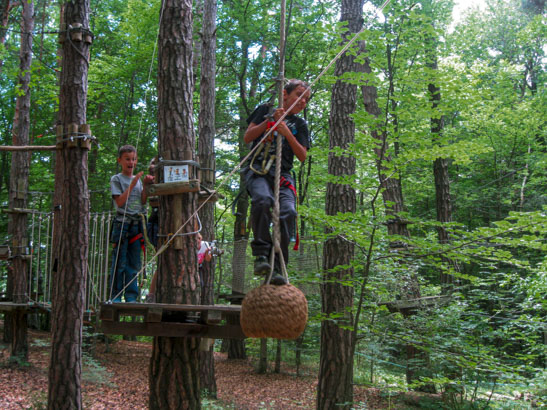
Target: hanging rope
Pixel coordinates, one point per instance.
(276, 249)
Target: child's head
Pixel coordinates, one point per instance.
(126, 148)
(127, 158)
(292, 91)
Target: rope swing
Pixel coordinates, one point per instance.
(278, 312)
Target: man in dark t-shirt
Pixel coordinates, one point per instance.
(259, 176)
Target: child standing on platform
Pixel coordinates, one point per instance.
(127, 231)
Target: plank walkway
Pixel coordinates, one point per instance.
(170, 320)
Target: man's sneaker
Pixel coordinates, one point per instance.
(262, 266)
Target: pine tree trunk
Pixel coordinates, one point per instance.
(72, 214)
(335, 385)
(20, 162)
(174, 365)
(207, 163)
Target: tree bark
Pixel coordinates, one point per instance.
(174, 365)
(443, 200)
(335, 385)
(72, 214)
(207, 162)
(18, 196)
(5, 7)
(263, 358)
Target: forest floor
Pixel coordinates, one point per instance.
(117, 378)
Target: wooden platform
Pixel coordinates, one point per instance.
(409, 306)
(32, 307)
(160, 319)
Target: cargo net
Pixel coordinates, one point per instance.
(234, 268)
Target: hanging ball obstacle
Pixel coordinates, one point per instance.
(278, 312)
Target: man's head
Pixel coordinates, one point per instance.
(127, 158)
(292, 91)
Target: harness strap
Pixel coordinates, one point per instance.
(284, 182)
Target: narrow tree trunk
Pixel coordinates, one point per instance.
(174, 365)
(207, 163)
(277, 368)
(335, 385)
(72, 211)
(263, 359)
(443, 200)
(5, 7)
(20, 162)
(392, 195)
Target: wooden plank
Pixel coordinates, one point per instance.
(211, 317)
(18, 211)
(29, 307)
(128, 308)
(410, 304)
(172, 330)
(28, 147)
(172, 188)
(154, 314)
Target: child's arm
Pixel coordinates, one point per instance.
(122, 199)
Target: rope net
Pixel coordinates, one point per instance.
(233, 264)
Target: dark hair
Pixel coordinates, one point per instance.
(294, 84)
(126, 148)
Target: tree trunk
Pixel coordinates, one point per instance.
(18, 196)
(263, 359)
(5, 7)
(443, 200)
(72, 212)
(392, 195)
(207, 163)
(335, 385)
(174, 365)
(277, 368)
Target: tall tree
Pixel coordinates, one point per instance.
(71, 211)
(5, 7)
(206, 154)
(335, 385)
(443, 200)
(174, 365)
(18, 196)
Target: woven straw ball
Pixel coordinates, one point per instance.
(278, 312)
